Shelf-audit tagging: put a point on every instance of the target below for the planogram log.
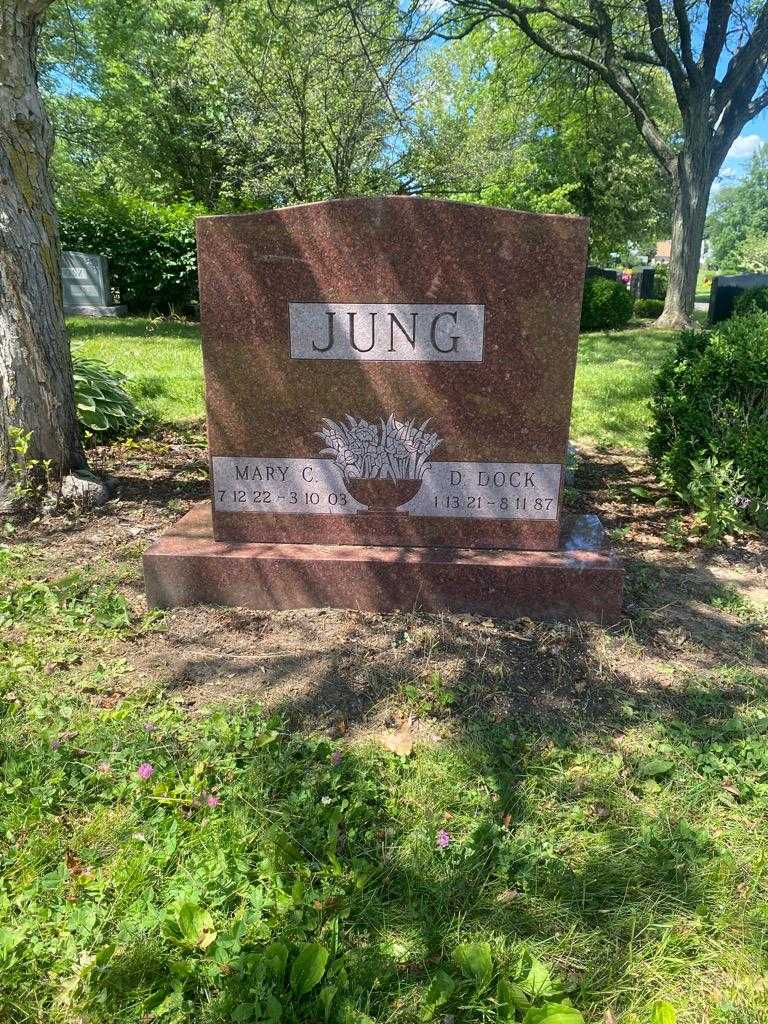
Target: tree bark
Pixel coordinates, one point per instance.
(36, 389)
(692, 184)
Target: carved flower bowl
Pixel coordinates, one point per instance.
(382, 495)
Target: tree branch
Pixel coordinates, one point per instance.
(686, 48)
(714, 38)
(666, 54)
(742, 65)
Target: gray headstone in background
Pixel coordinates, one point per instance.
(85, 285)
(726, 289)
(641, 284)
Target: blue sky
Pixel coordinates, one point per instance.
(736, 163)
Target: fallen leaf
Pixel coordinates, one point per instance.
(400, 742)
(609, 1018)
(729, 787)
(74, 866)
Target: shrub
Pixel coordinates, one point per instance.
(660, 281)
(103, 404)
(647, 308)
(709, 439)
(606, 305)
(150, 248)
(751, 300)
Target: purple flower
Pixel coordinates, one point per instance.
(145, 770)
(55, 744)
(336, 757)
(150, 727)
(443, 838)
(104, 767)
(212, 800)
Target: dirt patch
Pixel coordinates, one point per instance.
(689, 611)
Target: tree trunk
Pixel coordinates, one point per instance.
(692, 186)
(36, 391)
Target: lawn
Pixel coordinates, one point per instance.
(163, 361)
(613, 385)
(224, 865)
(212, 816)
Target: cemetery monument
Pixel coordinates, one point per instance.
(85, 285)
(388, 389)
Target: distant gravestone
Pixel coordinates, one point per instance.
(85, 285)
(726, 289)
(610, 275)
(641, 283)
(388, 387)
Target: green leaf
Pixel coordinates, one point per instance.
(276, 956)
(509, 998)
(274, 1008)
(476, 963)
(654, 767)
(663, 1013)
(553, 1013)
(325, 999)
(190, 925)
(308, 968)
(439, 992)
(538, 983)
(265, 739)
(94, 420)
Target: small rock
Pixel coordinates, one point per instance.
(84, 489)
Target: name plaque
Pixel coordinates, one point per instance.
(457, 490)
(387, 332)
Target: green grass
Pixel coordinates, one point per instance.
(614, 867)
(614, 374)
(163, 362)
(162, 359)
(703, 289)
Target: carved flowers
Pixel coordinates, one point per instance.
(390, 450)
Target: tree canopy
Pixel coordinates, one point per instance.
(498, 123)
(738, 221)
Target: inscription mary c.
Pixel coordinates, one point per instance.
(393, 332)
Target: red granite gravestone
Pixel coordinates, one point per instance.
(388, 387)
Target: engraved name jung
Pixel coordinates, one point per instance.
(394, 332)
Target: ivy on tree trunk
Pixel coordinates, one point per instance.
(36, 389)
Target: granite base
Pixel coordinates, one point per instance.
(96, 311)
(582, 580)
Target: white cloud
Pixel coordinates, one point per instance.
(744, 146)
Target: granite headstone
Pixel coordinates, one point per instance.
(85, 285)
(607, 273)
(726, 288)
(388, 381)
(641, 283)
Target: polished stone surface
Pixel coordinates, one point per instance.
(581, 581)
(359, 308)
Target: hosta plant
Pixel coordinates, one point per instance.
(103, 404)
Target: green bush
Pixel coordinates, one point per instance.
(751, 300)
(647, 308)
(709, 439)
(660, 281)
(103, 404)
(606, 305)
(150, 248)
